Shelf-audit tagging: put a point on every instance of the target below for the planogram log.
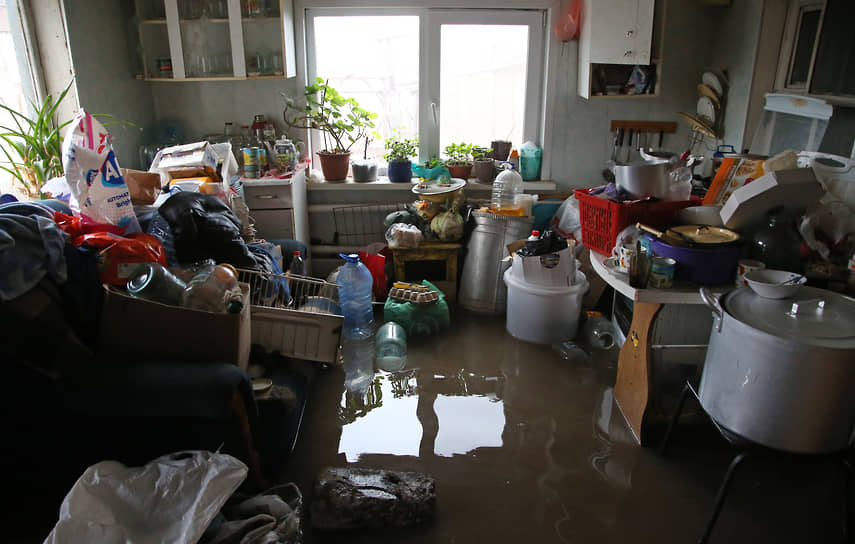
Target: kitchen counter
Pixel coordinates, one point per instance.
(634, 382)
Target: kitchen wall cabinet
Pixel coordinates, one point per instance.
(211, 40)
(614, 33)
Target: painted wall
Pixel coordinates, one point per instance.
(734, 49)
(581, 139)
(101, 56)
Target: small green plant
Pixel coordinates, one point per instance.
(481, 153)
(399, 148)
(341, 121)
(33, 147)
(458, 154)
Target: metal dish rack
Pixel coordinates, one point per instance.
(297, 316)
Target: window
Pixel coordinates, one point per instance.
(16, 83)
(818, 53)
(446, 75)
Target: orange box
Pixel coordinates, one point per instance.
(734, 172)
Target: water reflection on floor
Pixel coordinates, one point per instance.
(526, 446)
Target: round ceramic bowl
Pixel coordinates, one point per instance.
(774, 283)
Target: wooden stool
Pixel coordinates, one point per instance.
(430, 251)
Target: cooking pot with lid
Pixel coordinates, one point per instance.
(781, 372)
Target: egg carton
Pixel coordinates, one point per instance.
(411, 292)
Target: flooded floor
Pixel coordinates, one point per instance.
(528, 447)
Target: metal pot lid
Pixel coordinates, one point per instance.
(812, 316)
(706, 235)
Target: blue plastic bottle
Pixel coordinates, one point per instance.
(354, 291)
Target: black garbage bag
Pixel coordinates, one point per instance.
(549, 241)
(203, 227)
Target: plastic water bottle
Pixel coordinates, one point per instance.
(298, 265)
(507, 189)
(390, 349)
(357, 359)
(354, 291)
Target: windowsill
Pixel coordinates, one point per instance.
(383, 184)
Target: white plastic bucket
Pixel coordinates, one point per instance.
(544, 315)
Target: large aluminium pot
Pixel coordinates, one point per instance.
(644, 178)
(781, 372)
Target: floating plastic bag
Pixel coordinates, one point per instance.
(171, 499)
(93, 175)
(567, 221)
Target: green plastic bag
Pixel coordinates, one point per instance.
(419, 319)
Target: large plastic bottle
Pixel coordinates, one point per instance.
(507, 189)
(354, 291)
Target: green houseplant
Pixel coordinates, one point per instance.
(340, 120)
(33, 146)
(399, 150)
(459, 159)
(483, 167)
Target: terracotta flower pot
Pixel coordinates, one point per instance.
(461, 171)
(334, 165)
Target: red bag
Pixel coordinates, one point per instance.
(376, 264)
(119, 256)
(74, 226)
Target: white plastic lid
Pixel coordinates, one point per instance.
(803, 106)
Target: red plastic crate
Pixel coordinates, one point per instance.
(602, 219)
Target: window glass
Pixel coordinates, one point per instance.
(482, 83)
(374, 60)
(11, 89)
(808, 24)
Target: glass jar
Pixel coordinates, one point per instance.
(152, 281)
(778, 244)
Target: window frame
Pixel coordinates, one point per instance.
(432, 14)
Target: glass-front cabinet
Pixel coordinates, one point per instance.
(201, 40)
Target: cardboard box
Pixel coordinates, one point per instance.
(734, 172)
(549, 270)
(144, 187)
(199, 154)
(795, 190)
(137, 330)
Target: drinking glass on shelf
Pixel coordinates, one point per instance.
(252, 65)
(276, 64)
(265, 66)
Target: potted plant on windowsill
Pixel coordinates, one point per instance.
(365, 169)
(399, 150)
(459, 159)
(482, 166)
(32, 146)
(341, 122)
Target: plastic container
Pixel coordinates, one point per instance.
(544, 315)
(354, 289)
(506, 190)
(357, 359)
(213, 289)
(598, 331)
(530, 159)
(602, 220)
(390, 347)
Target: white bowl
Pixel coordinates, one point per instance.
(766, 282)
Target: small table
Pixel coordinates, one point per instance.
(634, 380)
(431, 251)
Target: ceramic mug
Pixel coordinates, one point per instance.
(744, 266)
(623, 257)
